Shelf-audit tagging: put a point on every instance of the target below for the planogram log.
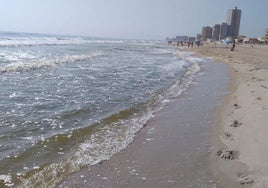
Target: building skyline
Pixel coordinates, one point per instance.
(233, 20)
(226, 29)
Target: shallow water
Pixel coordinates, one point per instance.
(67, 102)
(173, 149)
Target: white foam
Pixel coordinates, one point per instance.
(42, 41)
(162, 51)
(36, 167)
(188, 56)
(195, 59)
(101, 146)
(7, 180)
(20, 66)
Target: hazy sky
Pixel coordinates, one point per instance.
(144, 19)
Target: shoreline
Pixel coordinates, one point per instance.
(240, 122)
(173, 149)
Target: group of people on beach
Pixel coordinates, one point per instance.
(189, 43)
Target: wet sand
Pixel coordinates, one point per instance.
(241, 123)
(174, 149)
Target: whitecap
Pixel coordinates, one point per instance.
(7, 180)
(21, 66)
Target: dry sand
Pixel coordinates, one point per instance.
(242, 120)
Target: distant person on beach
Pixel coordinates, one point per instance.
(192, 44)
(232, 49)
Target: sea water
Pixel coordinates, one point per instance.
(69, 102)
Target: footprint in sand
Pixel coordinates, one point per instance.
(257, 79)
(227, 135)
(237, 106)
(245, 179)
(236, 124)
(228, 154)
(254, 69)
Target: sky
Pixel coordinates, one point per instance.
(129, 19)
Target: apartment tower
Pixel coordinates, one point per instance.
(233, 20)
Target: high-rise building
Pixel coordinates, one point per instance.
(224, 31)
(216, 31)
(233, 20)
(206, 33)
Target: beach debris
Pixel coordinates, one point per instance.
(236, 124)
(245, 179)
(264, 86)
(259, 98)
(228, 154)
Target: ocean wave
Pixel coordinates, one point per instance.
(7, 56)
(20, 66)
(162, 51)
(99, 142)
(50, 41)
(59, 154)
(102, 140)
(188, 56)
(35, 41)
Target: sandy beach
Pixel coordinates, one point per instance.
(241, 122)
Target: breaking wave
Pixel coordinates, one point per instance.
(109, 136)
(21, 66)
(49, 41)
